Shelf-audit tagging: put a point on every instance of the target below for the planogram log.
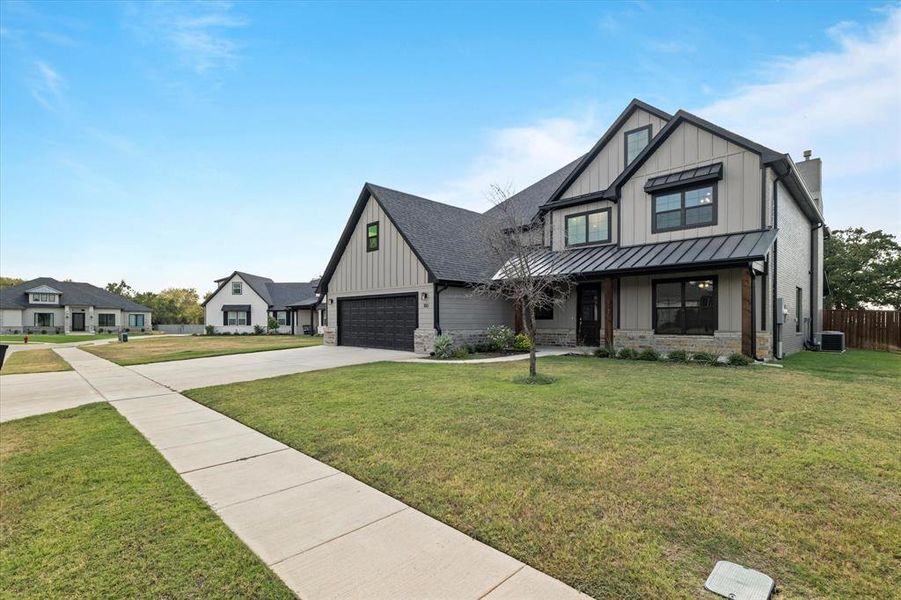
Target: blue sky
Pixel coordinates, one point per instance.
(171, 143)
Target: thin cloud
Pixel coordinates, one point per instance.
(46, 85)
(200, 34)
(671, 46)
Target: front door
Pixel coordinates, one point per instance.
(590, 314)
(77, 321)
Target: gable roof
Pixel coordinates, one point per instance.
(71, 293)
(634, 105)
(277, 295)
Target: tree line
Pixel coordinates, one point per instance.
(174, 306)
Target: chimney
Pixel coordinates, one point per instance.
(811, 170)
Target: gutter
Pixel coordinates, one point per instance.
(436, 314)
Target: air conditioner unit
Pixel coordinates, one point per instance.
(832, 341)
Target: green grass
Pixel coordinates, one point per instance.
(53, 339)
(625, 479)
(91, 510)
(164, 349)
(852, 365)
(33, 361)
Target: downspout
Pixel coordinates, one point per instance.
(813, 270)
(777, 329)
(436, 315)
(753, 315)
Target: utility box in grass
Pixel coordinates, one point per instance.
(123, 336)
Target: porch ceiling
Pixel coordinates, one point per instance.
(718, 250)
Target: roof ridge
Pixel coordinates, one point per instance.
(381, 187)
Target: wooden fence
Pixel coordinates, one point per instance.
(873, 329)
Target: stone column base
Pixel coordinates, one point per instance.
(329, 336)
(424, 340)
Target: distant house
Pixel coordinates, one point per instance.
(45, 305)
(674, 232)
(242, 301)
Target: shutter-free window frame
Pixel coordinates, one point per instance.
(370, 238)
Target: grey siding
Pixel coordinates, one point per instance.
(459, 309)
(793, 268)
(610, 161)
(738, 193)
(392, 269)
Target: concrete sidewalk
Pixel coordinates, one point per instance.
(32, 394)
(324, 533)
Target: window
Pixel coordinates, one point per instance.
(45, 298)
(544, 313)
(106, 319)
(636, 140)
(684, 209)
(685, 307)
(798, 300)
(43, 319)
(135, 320)
(282, 317)
(372, 237)
(237, 288)
(588, 228)
(236, 317)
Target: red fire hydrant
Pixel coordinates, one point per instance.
(25, 338)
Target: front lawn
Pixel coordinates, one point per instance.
(624, 479)
(162, 349)
(91, 510)
(54, 339)
(33, 361)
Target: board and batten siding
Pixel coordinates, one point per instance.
(558, 221)
(610, 161)
(459, 308)
(392, 269)
(738, 193)
(636, 294)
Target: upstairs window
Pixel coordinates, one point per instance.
(636, 140)
(684, 209)
(37, 297)
(588, 228)
(372, 237)
(237, 288)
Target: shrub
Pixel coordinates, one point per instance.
(272, 324)
(602, 352)
(210, 329)
(461, 352)
(43, 332)
(648, 354)
(739, 360)
(626, 354)
(522, 342)
(481, 347)
(500, 337)
(443, 346)
(677, 356)
(705, 358)
(259, 330)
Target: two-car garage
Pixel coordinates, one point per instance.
(378, 321)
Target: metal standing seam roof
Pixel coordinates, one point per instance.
(696, 175)
(726, 249)
(237, 307)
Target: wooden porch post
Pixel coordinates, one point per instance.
(608, 312)
(747, 320)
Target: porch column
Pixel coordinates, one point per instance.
(747, 319)
(608, 312)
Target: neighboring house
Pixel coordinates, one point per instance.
(242, 301)
(45, 305)
(676, 234)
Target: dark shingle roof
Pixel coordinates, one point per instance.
(277, 295)
(73, 293)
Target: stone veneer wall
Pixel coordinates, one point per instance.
(329, 336)
(424, 340)
(30, 329)
(720, 343)
(555, 337)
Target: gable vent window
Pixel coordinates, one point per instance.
(636, 140)
(372, 237)
(237, 288)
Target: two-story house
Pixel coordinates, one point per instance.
(243, 301)
(673, 232)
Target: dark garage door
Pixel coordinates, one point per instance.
(378, 322)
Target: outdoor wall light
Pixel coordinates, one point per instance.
(425, 295)
(331, 300)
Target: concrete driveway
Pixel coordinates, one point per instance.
(203, 372)
(37, 393)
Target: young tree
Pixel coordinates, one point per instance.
(121, 288)
(863, 268)
(528, 276)
(10, 281)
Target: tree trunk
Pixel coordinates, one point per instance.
(529, 322)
